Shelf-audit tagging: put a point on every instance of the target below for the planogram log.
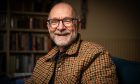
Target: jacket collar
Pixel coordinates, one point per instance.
(70, 51)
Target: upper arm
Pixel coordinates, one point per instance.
(101, 71)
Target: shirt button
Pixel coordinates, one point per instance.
(59, 68)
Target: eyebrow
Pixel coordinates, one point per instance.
(59, 18)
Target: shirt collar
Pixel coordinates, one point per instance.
(70, 51)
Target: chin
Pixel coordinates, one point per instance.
(62, 42)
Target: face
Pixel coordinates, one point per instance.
(64, 34)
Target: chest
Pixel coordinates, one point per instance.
(68, 71)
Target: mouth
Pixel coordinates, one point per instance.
(64, 34)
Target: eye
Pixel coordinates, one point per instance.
(67, 21)
(53, 21)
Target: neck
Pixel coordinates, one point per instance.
(61, 49)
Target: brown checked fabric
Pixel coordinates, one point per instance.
(82, 63)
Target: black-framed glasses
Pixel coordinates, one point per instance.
(67, 22)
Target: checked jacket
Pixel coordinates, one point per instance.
(82, 63)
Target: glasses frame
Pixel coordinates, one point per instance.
(63, 21)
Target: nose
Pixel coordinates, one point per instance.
(61, 26)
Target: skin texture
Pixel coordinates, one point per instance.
(62, 35)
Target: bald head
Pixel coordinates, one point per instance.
(60, 8)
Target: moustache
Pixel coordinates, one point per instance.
(62, 33)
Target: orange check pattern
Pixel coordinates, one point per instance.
(82, 63)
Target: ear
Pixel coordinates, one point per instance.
(79, 25)
(47, 24)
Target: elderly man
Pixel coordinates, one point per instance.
(72, 60)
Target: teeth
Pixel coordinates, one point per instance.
(61, 34)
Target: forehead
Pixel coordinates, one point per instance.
(61, 11)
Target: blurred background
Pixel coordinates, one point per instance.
(115, 24)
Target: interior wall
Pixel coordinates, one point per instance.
(113, 19)
(115, 24)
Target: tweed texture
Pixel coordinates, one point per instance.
(83, 63)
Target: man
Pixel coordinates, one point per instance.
(72, 61)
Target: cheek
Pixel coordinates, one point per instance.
(51, 30)
(72, 29)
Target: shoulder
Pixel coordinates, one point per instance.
(91, 47)
(50, 55)
(91, 52)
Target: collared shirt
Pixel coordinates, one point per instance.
(83, 63)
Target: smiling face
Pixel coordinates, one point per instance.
(62, 35)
